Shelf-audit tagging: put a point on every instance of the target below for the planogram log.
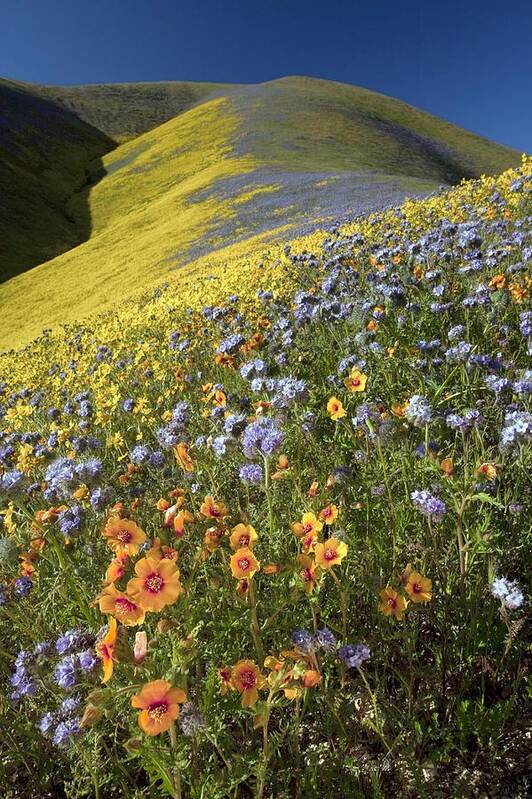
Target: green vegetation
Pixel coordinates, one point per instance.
(265, 534)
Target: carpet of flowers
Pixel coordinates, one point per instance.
(274, 542)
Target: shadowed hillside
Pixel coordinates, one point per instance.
(244, 165)
(45, 154)
(125, 110)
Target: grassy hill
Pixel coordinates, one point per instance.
(235, 167)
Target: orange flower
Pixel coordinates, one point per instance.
(159, 704)
(117, 568)
(308, 573)
(336, 409)
(308, 524)
(213, 510)
(223, 359)
(419, 588)
(489, 470)
(399, 409)
(308, 541)
(498, 282)
(282, 462)
(157, 584)
(118, 604)
(220, 399)
(213, 538)
(224, 674)
(331, 553)
(247, 680)
(313, 490)
(183, 458)
(105, 650)
(244, 564)
(329, 514)
(447, 467)
(356, 381)
(182, 518)
(242, 536)
(392, 603)
(311, 678)
(123, 535)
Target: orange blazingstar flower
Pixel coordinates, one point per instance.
(329, 514)
(336, 409)
(309, 573)
(247, 680)
(224, 675)
(356, 381)
(181, 519)
(117, 568)
(243, 536)
(244, 564)
(392, 603)
(489, 470)
(213, 538)
(213, 510)
(157, 584)
(447, 467)
(105, 650)
(183, 458)
(419, 588)
(123, 535)
(330, 554)
(158, 703)
(117, 604)
(308, 524)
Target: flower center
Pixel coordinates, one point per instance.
(153, 583)
(416, 588)
(243, 540)
(104, 651)
(124, 536)
(244, 564)
(247, 679)
(329, 554)
(307, 528)
(157, 710)
(307, 575)
(355, 381)
(123, 605)
(392, 602)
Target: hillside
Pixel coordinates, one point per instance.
(265, 534)
(237, 167)
(45, 154)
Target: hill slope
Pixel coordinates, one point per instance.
(280, 158)
(45, 152)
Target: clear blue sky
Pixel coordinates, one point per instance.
(469, 61)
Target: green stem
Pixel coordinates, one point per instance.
(267, 488)
(176, 773)
(254, 622)
(265, 749)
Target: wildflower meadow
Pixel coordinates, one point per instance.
(271, 538)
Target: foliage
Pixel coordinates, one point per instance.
(275, 544)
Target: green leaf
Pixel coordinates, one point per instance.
(485, 498)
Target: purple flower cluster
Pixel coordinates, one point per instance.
(262, 437)
(430, 506)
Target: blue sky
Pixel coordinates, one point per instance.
(469, 61)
